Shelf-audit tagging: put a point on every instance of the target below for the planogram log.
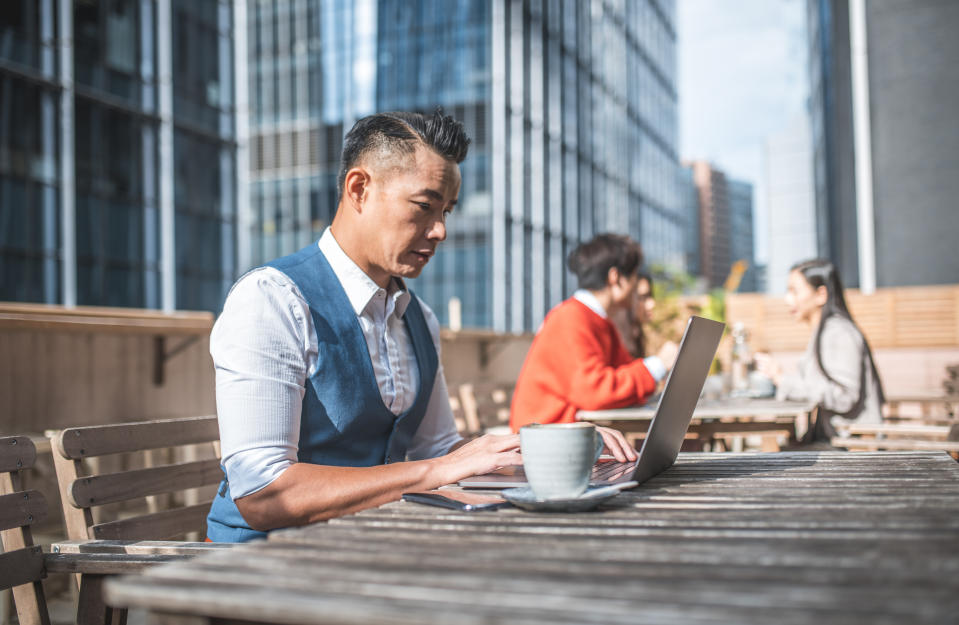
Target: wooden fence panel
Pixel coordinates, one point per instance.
(902, 317)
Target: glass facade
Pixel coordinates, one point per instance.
(29, 179)
(830, 113)
(571, 107)
(584, 141)
(741, 231)
(204, 152)
(311, 74)
(97, 123)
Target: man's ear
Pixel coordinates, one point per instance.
(356, 186)
(612, 276)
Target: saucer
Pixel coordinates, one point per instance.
(524, 498)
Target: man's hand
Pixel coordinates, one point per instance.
(616, 444)
(481, 455)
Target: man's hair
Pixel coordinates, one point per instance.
(591, 261)
(400, 132)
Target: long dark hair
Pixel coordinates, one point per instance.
(637, 329)
(819, 272)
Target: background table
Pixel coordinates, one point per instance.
(716, 419)
(813, 537)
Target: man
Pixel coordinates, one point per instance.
(330, 394)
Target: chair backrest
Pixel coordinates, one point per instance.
(84, 490)
(21, 563)
(485, 405)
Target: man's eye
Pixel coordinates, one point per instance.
(424, 205)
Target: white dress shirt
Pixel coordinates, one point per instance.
(654, 364)
(264, 349)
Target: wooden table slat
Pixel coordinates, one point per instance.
(749, 538)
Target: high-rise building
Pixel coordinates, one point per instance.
(690, 195)
(117, 152)
(725, 225)
(885, 148)
(741, 247)
(715, 253)
(571, 107)
(791, 201)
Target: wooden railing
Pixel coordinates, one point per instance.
(908, 317)
(17, 316)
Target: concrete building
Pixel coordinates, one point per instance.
(715, 255)
(884, 91)
(725, 225)
(791, 200)
(572, 110)
(118, 178)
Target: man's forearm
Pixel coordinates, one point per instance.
(306, 493)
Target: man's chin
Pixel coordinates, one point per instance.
(408, 271)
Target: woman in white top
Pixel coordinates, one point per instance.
(837, 371)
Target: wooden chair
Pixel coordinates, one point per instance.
(21, 564)
(82, 493)
(486, 406)
(98, 546)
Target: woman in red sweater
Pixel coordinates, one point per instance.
(577, 360)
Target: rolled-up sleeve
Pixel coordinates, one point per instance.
(437, 432)
(260, 348)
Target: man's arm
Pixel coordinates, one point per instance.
(305, 493)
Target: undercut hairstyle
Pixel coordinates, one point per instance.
(397, 134)
(591, 261)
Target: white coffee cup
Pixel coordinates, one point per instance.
(558, 458)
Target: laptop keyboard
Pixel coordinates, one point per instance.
(610, 470)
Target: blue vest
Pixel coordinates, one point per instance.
(343, 421)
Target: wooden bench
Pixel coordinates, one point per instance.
(165, 485)
(898, 436)
(21, 563)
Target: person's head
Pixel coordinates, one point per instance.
(645, 303)
(399, 178)
(814, 291)
(608, 264)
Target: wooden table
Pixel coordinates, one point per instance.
(719, 419)
(801, 537)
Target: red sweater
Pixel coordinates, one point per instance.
(576, 362)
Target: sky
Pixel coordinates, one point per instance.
(742, 77)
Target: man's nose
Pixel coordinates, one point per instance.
(437, 231)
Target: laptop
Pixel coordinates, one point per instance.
(668, 427)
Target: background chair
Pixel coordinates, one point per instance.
(21, 564)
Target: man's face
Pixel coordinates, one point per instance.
(405, 210)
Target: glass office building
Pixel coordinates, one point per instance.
(571, 107)
(117, 152)
(740, 196)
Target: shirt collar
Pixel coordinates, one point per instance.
(360, 288)
(589, 300)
